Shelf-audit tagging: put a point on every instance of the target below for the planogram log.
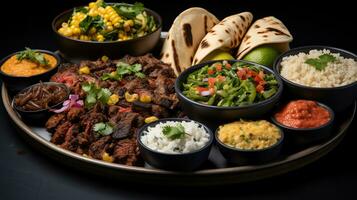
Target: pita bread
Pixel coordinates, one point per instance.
(268, 30)
(225, 35)
(184, 37)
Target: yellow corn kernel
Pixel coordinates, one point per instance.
(104, 58)
(110, 28)
(100, 38)
(145, 98)
(107, 158)
(113, 73)
(131, 97)
(150, 119)
(92, 30)
(113, 99)
(92, 5)
(76, 31)
(84, 70)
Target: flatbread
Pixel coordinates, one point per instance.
(225, 35)
(184, 37)
(268, 30)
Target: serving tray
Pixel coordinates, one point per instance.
(214, 172)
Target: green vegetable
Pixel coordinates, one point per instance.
(95, 94)
(81, 9)
(321, 62)
(103, 128)
(124, 69)
(129, 12)
(174, 132)
(87, 23)
(29, 54)
(227, 88)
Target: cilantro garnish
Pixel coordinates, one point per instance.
(124, 69)
(95, 94)
(103, 128)
(29, 54)
(321, 62)
(174, 132)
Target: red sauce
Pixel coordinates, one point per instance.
(303, 114)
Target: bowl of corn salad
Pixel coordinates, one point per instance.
(110, 29)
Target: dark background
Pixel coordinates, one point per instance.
(28, 174)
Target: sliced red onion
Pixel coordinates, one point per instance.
(71, 102)
(205, 79)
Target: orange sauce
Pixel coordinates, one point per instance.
(303, 114)
(26, 68)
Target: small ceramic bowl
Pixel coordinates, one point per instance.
(306, 136)
(338, 98)
(16, 83)
(39, 117)
(178, 162)
(74, 49)
(215, 115)
(238, 156)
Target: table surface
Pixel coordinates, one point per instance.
(26, 173)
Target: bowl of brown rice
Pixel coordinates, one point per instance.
(320, 73)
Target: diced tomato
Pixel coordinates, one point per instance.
(211, 90)
(251, 73)
(201, 89)
(258, 80)
(221, 78)
(211, 82)
(261, 74)
(228, 66)
(218, 67)
(242, 74)
(260, 88)
(210, 71)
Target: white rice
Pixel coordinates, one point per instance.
(196, 138)
(341, 72)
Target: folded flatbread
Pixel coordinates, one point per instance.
(184, 37)
(226, 35)
(268, 30)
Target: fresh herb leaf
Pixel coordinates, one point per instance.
(124, 69)
(103, 128)
(321, 62)
(95, 94)
(111, 35)
(129, 12)
(174, 132)
(81, 9)
(29, 54)
(87, 23)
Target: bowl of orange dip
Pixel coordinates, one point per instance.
(304, 121)
(24, 68)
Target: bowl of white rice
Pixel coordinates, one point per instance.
(320, 73)
(175, 144)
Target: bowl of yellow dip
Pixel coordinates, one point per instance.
(24, 68)
(249, 142)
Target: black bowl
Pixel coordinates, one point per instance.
(38, 117)
(179, 162)
(306, 136)
(75, 50)
(338, 98)
(16, 83)
(215, 115)
(238, 156)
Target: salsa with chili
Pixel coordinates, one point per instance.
(303, 114)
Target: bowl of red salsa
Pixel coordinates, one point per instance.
(304, 121)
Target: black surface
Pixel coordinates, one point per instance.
(28, 174)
